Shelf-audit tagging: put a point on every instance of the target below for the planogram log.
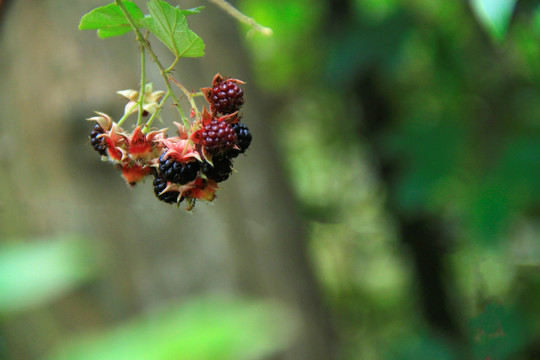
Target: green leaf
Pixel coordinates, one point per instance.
(169, 24)
(110, 32)
(185, 12)
(32, 274)
(192, 11)
(201, 329)
(109, 20)
(494, 15)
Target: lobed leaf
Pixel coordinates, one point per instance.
(169, 24)
(109, 20)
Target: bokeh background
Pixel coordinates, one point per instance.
(388, 207)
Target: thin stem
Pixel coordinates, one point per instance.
(143, 86)
(146, 45)
(170, 68)
(188, 94)
(235, 13)
(146, 126)
(126, 114)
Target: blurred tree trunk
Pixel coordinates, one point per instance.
(251, 241)
(423, 233)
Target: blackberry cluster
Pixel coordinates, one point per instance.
(224, 136)
(227, 97)
(218, 136)
(169, 197)
(177, 172)
(98, 143)
(186, 166)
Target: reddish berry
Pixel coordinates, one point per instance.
(98, 143)
(218, 136)
(227, 97)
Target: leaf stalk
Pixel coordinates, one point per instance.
(144, 42)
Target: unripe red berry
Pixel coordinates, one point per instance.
(227, 97)
(218, 136)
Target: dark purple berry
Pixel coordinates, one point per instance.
(98, 143)
(244, 139)
(170, 197)
(220, 171)
(227, 97)
(219, 136)
(178, 172)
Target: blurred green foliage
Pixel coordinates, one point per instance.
(201, 329)
(282, 59)
(457, 86)
(33, 274)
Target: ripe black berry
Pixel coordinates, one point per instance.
(169, 197)
(220, 171)
(227, 97)
(178, 172)
(244, 139)
(98, 143)
(218, 136)
(244, 136)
